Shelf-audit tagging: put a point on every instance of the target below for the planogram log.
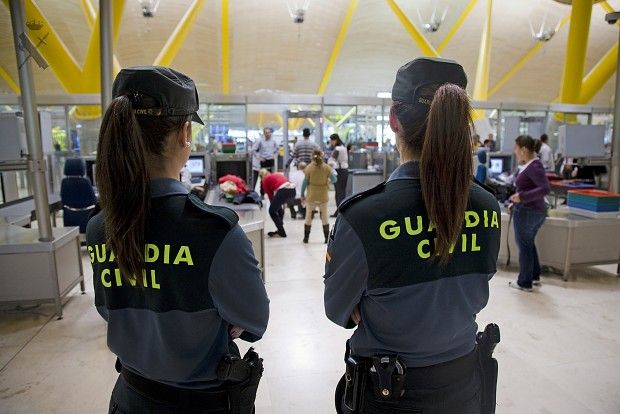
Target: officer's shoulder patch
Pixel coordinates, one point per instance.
(226, 214)
(348, 202)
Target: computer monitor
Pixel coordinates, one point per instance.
(196, 165)
(496, 165)
(499, 164)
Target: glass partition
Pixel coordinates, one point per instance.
(341, 120)
(369, 124)
(226, 127)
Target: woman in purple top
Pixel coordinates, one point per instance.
(528, 210)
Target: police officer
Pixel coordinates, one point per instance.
(175, 279)
(409, 261)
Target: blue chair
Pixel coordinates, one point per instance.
(481, 171)
(77, 194)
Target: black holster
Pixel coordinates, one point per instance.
(241, 377)
(387, 377)
(486, 342)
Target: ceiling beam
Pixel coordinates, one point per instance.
(419, 39)
(342, 34)
(226, 47)
(522, 61)
(481, 86)
(91, 17)
(7, 78)
(89, 12)
(91, 70)
(456, 26)
(599, 75)
(177, 38)
(576, 47)
(55, 52)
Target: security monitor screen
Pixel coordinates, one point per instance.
(496, 165)
(196, 165)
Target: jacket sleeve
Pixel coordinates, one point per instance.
(236, 287)
(536, 173)
(346, 273)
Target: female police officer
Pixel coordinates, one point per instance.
(175, 279)
(409, 261)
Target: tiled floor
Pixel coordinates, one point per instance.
(560, 349)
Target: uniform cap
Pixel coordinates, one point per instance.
(173, 92)
(415, 75)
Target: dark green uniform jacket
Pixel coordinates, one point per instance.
(380, 257)
(200, 277)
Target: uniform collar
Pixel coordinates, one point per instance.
(162, 187)
(407, 171)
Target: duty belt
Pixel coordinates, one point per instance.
(182, 398)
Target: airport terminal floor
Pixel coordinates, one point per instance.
(558, 352)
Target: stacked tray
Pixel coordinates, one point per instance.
(594, 203)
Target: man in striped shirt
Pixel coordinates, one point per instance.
(304, 148)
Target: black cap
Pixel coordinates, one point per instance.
(413, 76)
(173, 92)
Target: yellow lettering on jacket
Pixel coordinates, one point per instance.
(422, 253)
(104, 282)
(419, 226)
(151, 253)
(394, 230)
(184, 255)
(471, 219)
(494, 221)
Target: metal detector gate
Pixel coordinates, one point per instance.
(316, 121)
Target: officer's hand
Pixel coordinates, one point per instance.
(356, 316)
(235, 332)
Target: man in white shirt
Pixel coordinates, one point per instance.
(546, 154)
(296, 176)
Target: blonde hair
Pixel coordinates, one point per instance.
(263, 172)
(317, 157)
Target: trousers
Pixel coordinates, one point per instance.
(281, 198)
(440, 389)
(527, 221)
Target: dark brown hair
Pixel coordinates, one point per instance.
(443, 142)
(317, 156)
(126, 142)
(336, 137)
(529, 143)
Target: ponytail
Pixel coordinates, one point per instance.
(126, 144)
(537, 145)
(446, 165)
(529, 143)
(123, 181)
(317, 157)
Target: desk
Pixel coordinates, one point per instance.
(33, 272)
(562, 187)
(251, 220)
(22, 213)
(568, 240)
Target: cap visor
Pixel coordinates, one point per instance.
(196, 118)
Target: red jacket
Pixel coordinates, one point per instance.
(272, 182)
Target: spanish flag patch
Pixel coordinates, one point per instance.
(328, 257)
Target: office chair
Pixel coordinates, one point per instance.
(77, 194)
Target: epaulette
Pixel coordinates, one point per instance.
(229, 216)
(348, 202)
(486, 187)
